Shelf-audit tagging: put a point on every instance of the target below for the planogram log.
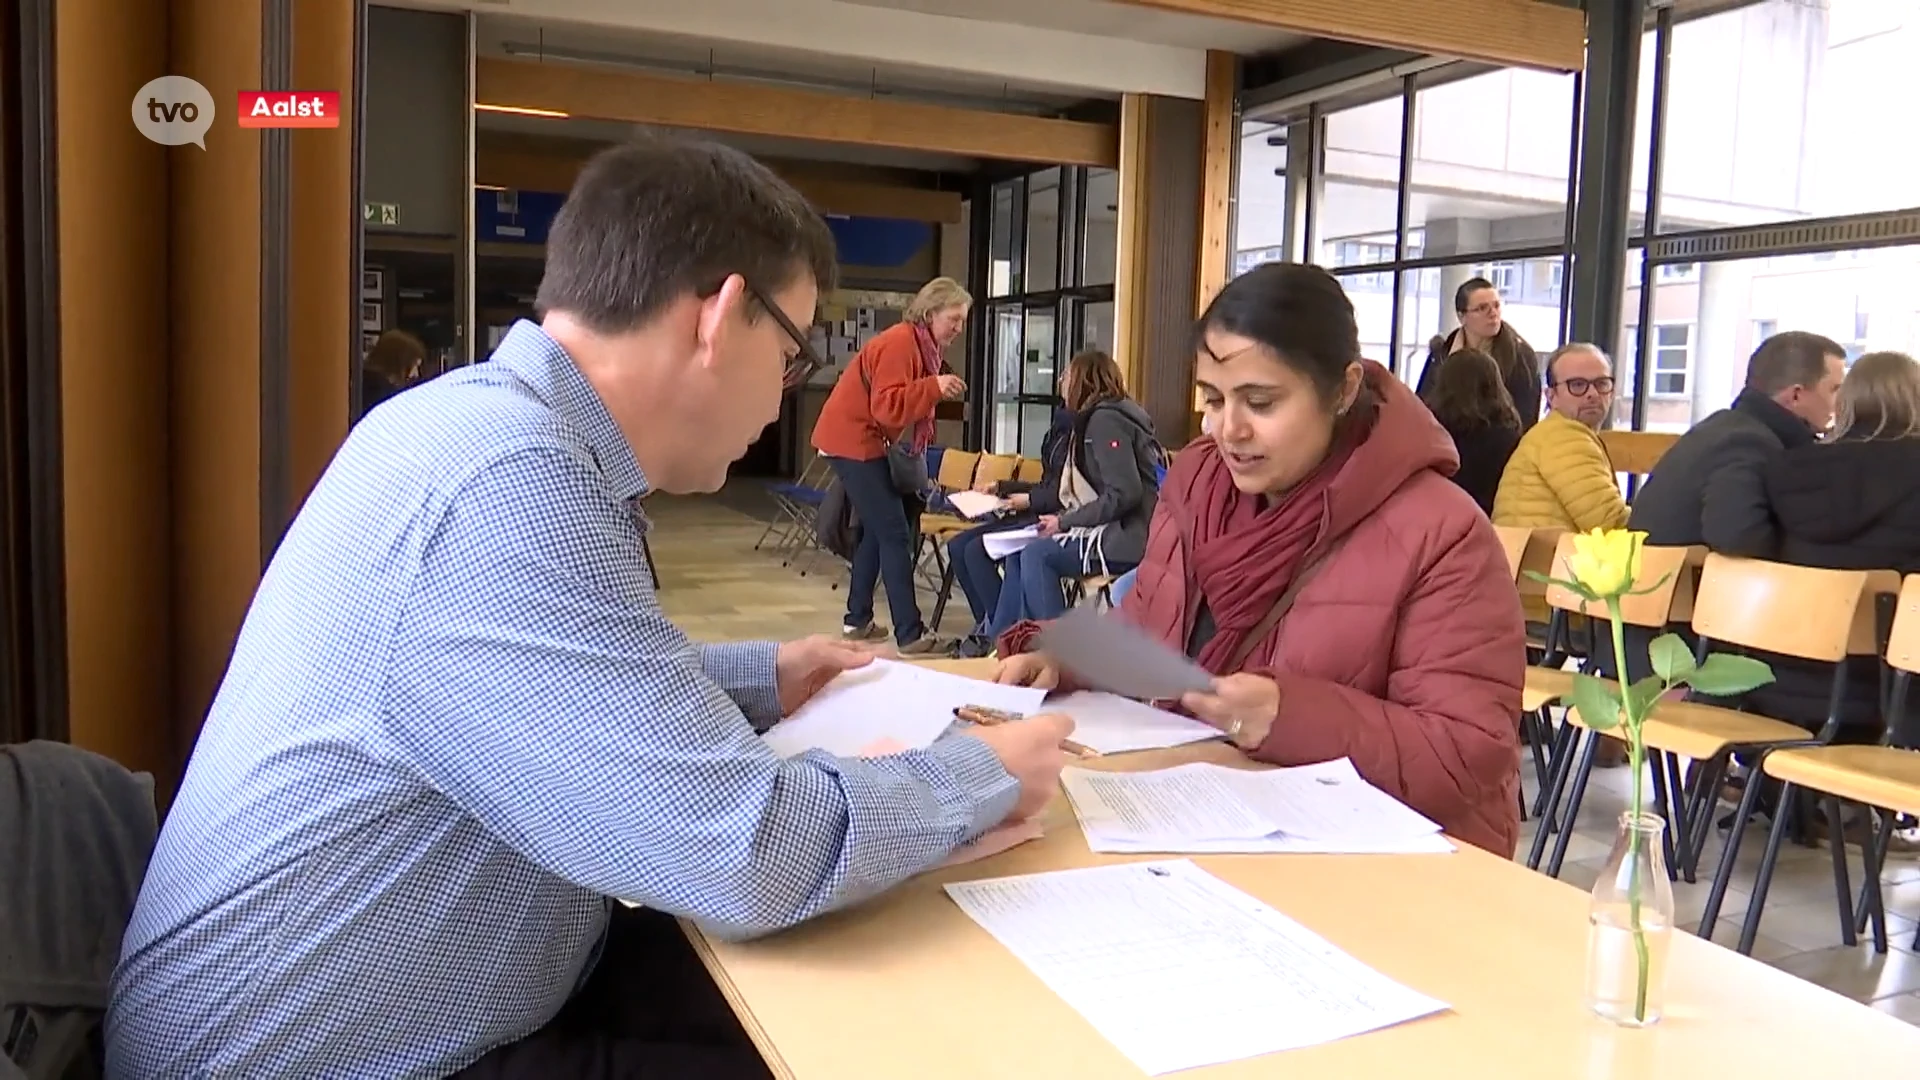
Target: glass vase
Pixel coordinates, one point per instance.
(1630, 926)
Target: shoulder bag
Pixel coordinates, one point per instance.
(906, 466)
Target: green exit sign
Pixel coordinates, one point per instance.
(380, 213)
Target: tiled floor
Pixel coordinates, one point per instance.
(718, 588)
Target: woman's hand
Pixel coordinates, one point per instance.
(1020, 500)
(952, 387)
(1034, 669)
(1048, 525)
(1244, 706)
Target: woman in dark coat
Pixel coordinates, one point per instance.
(1482, 327)
(1469, 401)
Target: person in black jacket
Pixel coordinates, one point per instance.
(1849, 504)
(1483, 327)
(973, 569)
(1095, 519)
(1710, 486)
(1469, 401)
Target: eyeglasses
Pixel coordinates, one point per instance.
(1491, 307)
(1579, 387)
(805, 362)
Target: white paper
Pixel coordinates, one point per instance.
(1178, 969)
(975, 504)
(1200, 808)
(1115, 725)
(1105, 652)
(887, 699)
(999, 545)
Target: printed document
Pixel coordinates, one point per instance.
(1178, 969)
(887, 700)
(1001, 544)
(975, 504)
(1110, 724)
(1326, 808)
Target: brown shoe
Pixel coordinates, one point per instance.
(871, 631)
(928, 645)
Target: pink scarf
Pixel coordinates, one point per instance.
(921, 434)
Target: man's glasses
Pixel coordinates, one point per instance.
(805, 362)
(1579, 387)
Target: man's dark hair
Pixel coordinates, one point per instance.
(1298, 311)
(654, 219)
(1790, 359)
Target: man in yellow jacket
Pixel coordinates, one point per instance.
(1559, 475)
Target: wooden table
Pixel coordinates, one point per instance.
(907, 986)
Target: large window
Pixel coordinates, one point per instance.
(1781, 145)
(1434, 180)
(1779, 117)
(1050, 273)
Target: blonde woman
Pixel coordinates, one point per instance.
(887, 396)
(1850, 503)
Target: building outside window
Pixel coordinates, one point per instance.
(1781, 116)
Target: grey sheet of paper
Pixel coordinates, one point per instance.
(1107, 653)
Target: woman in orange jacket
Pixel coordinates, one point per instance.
(887, 395)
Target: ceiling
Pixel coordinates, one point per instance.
(667, 54)
(1104, 18)
(765, 147)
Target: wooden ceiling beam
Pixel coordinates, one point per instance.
(744, 109)
(1521, 33)
(525, 168)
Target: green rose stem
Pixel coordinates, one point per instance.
(1636, 763)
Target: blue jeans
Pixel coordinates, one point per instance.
(1035, 588)
(886, 547)
(975, 571)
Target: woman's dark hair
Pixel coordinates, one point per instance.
(395, 356)
(1468, 393)
(1093, 377)
(1298, 311)
(1466, 290)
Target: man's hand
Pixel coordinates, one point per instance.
(1030, 751)
(1048, 525)
(1244, 706)
(802, 667)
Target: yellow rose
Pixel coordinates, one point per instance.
(1607, 561)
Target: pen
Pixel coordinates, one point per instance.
(987, 717)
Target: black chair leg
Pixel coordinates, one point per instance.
(1571, 813)
(1668, 809)
(1547, 807)
(1723, 874)
(1842, 891)
(1750, 927)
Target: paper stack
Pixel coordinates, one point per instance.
(1211, 809)
(909, 705)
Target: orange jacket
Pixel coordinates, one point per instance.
(852, 421)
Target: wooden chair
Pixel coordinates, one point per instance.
(1884, 778)
(1030, 471)
(1636, 452)
(1661, 596)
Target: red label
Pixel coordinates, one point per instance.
(289, 108)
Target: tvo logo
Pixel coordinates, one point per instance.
(174, 110)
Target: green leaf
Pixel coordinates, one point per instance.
(1598, 702)
(1671, 657)
(1644, 693)
(1724, 676)
(1650, 588)
(1573, 587)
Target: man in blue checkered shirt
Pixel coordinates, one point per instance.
(456, 722)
